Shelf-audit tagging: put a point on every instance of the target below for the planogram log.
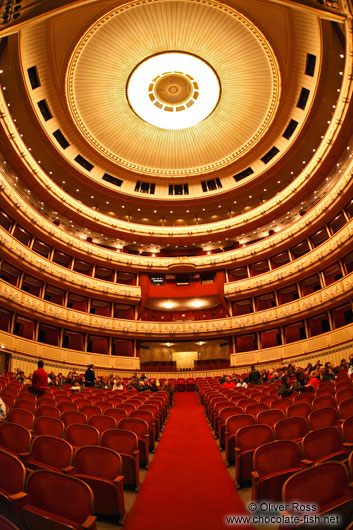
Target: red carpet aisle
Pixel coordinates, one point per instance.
(187, 486)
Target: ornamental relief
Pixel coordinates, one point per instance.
(311, 262)
(70, 279)
(230, 258)
(24, 303)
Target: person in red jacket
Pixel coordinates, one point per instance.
(39, 380)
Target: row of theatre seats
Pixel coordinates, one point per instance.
(293, 449)
(84, 447)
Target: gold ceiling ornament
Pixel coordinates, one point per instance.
(116, 43)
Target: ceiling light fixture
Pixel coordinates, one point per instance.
(173, 90)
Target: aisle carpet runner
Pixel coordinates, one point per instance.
(187, 486)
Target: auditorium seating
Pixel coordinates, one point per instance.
(115, 413)
(15, 439)
(323, 444)
(149, 419)
(102, 422)
(49, 503)
(324, 417)
(273, 463)
(101, 469)
(232, 424)
(21, 417)
(49, 452)
(126, 444)
(247, 439)
(270, 417)
(50, 426)
(12, 480)
(73, 416)
(140, 428)
(324, 485)
(299, 409)
(292, 428)
(78, 435)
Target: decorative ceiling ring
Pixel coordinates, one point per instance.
(107, 55)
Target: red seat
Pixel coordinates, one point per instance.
(323, 444)
(127, 407)
(282, 404)
(346, 408)
(21, 417)
(49, 452)
(82, 402)
(90, 410)
(15, 439)
(49, 502)
(293, 428)
(156, 410)
(65, 405)
(25, 404)
(46, 401)
(270, 417)
(100, 468)
(190, 384)
(12, 480)
(126, 444)
(273, 463)
(247, 439)
(232, 424)
(347, 431)
(305, 397)
(256, 408)
(140, 428)
(49, 412)
(322, 402)
(243, 403)
(102, 422)
(180, 384)
(149, 418)
(344, 394)
(325, 486)
(214, 413)
(78, 435)
(225, 413)
(103, 405)
(50, 426)
(302, 409)
(73, 416)
(324, 417)
(116, 414)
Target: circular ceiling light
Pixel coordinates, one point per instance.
(173, 90)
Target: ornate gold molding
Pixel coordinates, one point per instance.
(315, 260)
(110, 258)
(68, 279)
(42, 310)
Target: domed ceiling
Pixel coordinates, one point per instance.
(248, 166)
(108, 52)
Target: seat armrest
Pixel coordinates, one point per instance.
(89, 522)
(350, 485)
(307, 462)
(136, 453)
(20, 496)
(118, 479)
(348, 444)
(67, 469)
(255, 475)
